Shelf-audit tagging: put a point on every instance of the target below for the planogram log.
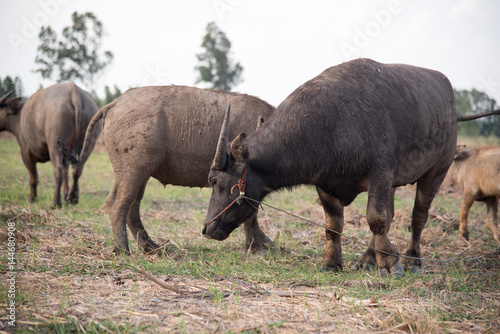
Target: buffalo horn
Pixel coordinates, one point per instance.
(4, 99)
(220, 155)
(260, 121)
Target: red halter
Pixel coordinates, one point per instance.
(242, 184)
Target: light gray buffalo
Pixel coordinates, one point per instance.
(59, 112)
(168, 133)
(477, 172)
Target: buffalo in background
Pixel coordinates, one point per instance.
(59, 112)
(477, 172)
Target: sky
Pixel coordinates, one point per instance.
(280, 44)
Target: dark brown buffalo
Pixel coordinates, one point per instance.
(359, 126)
(477, 172)
(59, 112)
(168, 133)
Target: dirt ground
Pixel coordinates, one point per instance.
(100, 290)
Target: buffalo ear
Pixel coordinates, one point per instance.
(14, 105)
(239, 151)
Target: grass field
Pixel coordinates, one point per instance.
(68, 280)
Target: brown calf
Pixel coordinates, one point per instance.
(477, 172)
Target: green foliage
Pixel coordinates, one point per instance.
(108, 96)
(8, 84)
(215, 65)
(475, 102)
(76, 55)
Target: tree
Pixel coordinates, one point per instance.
(474, 102)
(108, 96)
(215, 65)
(76, 56)
(8, 84)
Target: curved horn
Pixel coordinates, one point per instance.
(260, 121)
(4, 99)
(220, 155)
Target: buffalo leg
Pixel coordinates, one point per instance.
(118, 203)
(136, 227)
(65, 187)
(30, 163)
(427, 188)
(377, 215)
(491, 218)
(467, 201)
(57, 164)
(334, 222)
(74, 192)
(255, 239)
(367, 260)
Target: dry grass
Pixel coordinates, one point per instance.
(73, 277)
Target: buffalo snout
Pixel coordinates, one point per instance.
(213, 230)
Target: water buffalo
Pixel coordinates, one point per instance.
(359, 126)
(59, 112)
(168, 133)
(477, 172)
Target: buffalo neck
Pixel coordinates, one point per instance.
(276, 162)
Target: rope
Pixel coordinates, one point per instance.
(242, 186)
(353, 240)
(227, 207)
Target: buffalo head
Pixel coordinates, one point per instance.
(8, 108)
(227, 209)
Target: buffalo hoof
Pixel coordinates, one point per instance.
(414, 269)
(398, 270)
(152, 248)
(384, 272)
(334, 269)
(368, 267)
(364, 266)
(259, 245)
(119, 250)
(72, 199)
(55, 206)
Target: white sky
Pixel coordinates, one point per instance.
(280, 44)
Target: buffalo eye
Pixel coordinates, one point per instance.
(213, 182)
